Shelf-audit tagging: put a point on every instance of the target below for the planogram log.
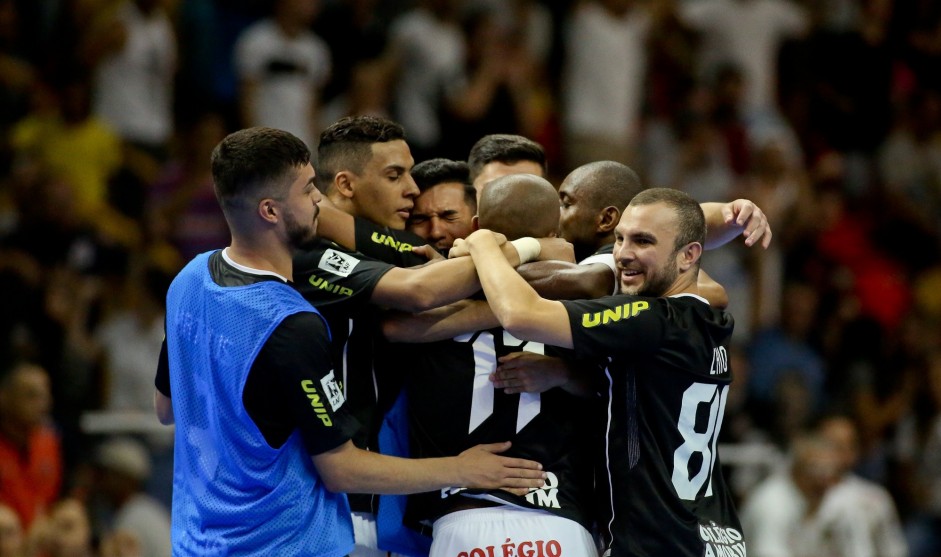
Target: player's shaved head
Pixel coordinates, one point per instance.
(604, 184)
(520, 205)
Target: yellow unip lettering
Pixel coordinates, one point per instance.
(308, 386)
(639, 306)
(590, 320)
(612, 315)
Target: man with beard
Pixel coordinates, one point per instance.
(666, 362)
(262, 440)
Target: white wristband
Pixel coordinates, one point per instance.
(527, 248)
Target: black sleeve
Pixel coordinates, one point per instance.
(385, 244)
(616, 325)
(291, 386)
(162, 381)
(331, 275)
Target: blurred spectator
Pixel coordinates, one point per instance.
(130, 337)
(923, 526)
(778, 184)
(76, 146)
(357, 36)
(603, 78)
(132, 50)
(857, 517)
(65, 532)
(429, 49)
(500, 90)
(282, 68)
(749, 34)
(909, 160)
(123, 467)
(30, 462)
(779, 514)
(782, 358)
(11, 533)
(182, 202)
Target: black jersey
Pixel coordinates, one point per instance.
(668, 383)
(385, 244)
(340, 283)
(453, 406)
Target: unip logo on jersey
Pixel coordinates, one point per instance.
(332, 391)
(338, 263)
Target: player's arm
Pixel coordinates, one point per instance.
(422, 288)
(440, 323)
(163, 406)
(712, 291)
(517, 306)
(726, 221)
(369, 239)
(561, 280)
(353, 470)
(292, 379)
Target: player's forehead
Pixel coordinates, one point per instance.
(655, 219)
(497, 169)
(388, 155)
(302, 176)
(441, 197)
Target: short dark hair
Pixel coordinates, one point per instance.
(504, 148)
(432, 172)
(254, 161)
(689, 216)
(347, 145)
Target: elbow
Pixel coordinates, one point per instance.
(515, 322)
(422, 299)
(393, 330)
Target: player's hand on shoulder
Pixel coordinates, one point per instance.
(556, 249)
(482, 467)
(753, 221)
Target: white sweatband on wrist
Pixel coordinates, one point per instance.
(527, 248)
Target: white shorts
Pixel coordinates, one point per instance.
(509, 532)
(367, 540)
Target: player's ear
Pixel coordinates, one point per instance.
(343, 182)
(689, 255)
(608, 219)
(269, 210)
(475, 223)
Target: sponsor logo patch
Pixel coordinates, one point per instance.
(338, 263)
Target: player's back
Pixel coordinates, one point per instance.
(454, 406)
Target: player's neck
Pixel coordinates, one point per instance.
(683, 285)
(263, 256)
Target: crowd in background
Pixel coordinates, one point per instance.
(827, 114)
